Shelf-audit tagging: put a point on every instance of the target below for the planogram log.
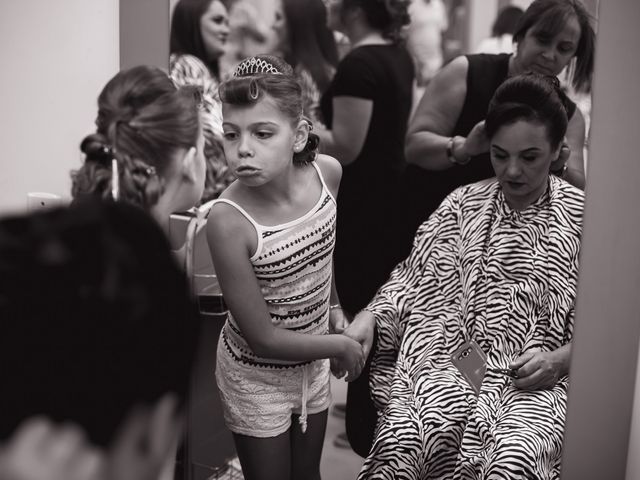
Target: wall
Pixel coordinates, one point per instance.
(605, 351)
(57, 56)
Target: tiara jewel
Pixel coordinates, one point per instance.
(253, 66)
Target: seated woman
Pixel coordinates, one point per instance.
(494, 268)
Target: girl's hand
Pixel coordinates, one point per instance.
(477, 141)
(538, 370)
(338, 320)
(351, 360)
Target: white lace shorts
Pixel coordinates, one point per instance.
(259, 402)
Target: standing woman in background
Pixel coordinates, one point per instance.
(446, 145)
(366, 109)
(308, 45)
(199, 33)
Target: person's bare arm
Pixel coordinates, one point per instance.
(350, 124)
(436, 116)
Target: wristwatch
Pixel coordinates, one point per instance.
(452, 157)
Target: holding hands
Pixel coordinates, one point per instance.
(359, 331)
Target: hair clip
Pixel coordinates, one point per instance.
(255, 66)
(115, 179)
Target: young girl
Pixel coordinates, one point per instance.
(271, 235)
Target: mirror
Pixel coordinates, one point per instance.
(466, 24)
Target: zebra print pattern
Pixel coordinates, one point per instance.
(509, 279)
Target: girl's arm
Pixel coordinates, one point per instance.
(435, 118)
(232, 241)
(350, 124)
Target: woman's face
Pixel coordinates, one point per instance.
(548, 55)
(521, 155)
(214, 28)
(280, 28)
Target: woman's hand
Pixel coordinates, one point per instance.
(361, 330)
(539, 370)
(563, 157)
(477, 141)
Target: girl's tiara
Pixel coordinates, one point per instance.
(254, 66)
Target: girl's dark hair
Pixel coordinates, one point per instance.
(530, 97)
(143, 119)
(186, 37)
(548, 18)
(311, 43)
(388, 16)
(507, 21)
(249, 84)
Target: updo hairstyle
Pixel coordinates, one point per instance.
(269, 75)
(531, 97)
(143, 120)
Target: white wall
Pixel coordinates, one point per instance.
(56, 57)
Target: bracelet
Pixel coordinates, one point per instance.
(452, 158)
(335, 306)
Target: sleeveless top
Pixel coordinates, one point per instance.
(293, 266)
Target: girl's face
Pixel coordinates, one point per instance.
(521, 156)
(214, 28)
(259, 140)
(548, 55)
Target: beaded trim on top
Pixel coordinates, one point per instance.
(253, 66)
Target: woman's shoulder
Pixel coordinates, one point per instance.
(187, 65)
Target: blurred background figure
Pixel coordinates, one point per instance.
(501, 39)
(96, 331)
(198, 39)
(366, 110)
(428, 22)
(309, 46)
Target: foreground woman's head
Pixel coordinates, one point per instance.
(526, 124)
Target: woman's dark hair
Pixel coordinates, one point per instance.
(388, 16)
(143, 119)
(270, 75)
(185, 36)
(507, 21)
(549, 17)
(96, 316)
(531, 97)
(310, 43)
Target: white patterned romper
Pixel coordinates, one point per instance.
(293, 265)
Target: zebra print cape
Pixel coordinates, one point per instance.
(505, 278)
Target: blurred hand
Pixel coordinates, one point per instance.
(40, 450)
(477, 141)
(537, 370)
